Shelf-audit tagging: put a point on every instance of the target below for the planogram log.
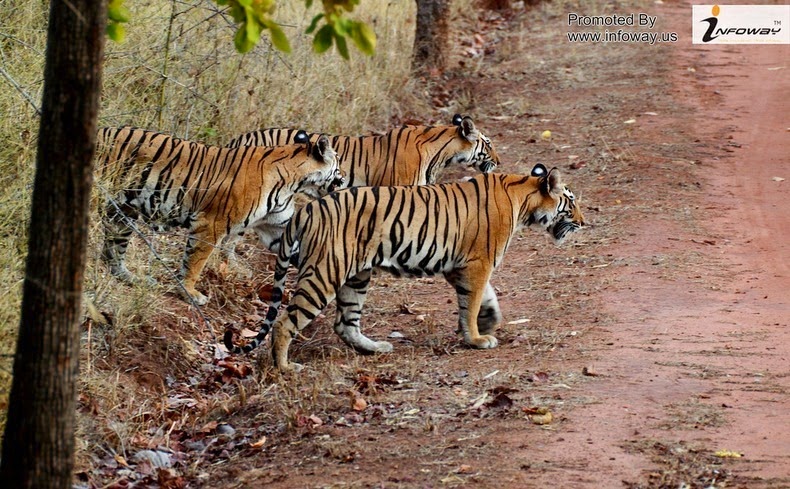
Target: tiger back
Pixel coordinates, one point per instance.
(459, 230)
(211, 191)
(409, 155)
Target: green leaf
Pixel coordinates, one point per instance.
(323, 39)
(314, 23)
(116, 32)
(204, 132)
(118, 14)
(342, 48)
(241, 41)
(279, 40)
(238, 13)
(308, 4)
(253, 29)
(364, 38)
(341, 26)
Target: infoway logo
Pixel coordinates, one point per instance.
(741, 24)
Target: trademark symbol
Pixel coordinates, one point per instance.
(777, 22)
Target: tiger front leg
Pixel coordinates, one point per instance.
(470, 286)
(199, 247)
(489, 316)
(350, 299)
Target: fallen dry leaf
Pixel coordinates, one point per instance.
(259, 443)
(578, 164)
(252, 318)
(367, 383)
(248, 333)
(265, 294)
(543, 416)
(540, 377)
(539, 415)
(500, 401)
(121, 460)
(464, 469)
(358, 403)
(728, 454)
(589, 372)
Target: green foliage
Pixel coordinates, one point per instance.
(117, 16)
(255, 16)
(342, 27)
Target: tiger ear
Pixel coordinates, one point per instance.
(320, 147)
(539, 170)
(457, 118)
(552, 183)
(468, 130)
(301, 137)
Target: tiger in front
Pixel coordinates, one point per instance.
(211, 191)
(410, 155)
(459, 230)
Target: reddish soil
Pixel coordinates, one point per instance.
(656, 337)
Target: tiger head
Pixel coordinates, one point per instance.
(475, 149)
(322, 173)
(552, 206)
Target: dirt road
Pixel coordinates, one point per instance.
(698, 354)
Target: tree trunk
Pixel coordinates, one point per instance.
(430, 37)
(38, 448)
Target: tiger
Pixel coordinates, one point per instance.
(209, 190)
(409, 155)
(460, 230)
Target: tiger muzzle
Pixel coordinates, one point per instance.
(487, 166)
(338, 182)
(562, 228)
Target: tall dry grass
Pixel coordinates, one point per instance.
(178, 72)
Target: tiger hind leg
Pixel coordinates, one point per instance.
(350, 299)
(301, 310)
(228, 247)
(117, 234)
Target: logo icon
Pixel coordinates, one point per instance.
(712, 22)
(741, 24)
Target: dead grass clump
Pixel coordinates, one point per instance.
(178, 72)
(681, 464)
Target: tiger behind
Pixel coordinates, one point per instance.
(211, 191)
(410, 155)
(460, 230)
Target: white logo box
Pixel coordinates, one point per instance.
(740, 24)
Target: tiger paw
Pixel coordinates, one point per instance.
(484, 342)
(195, 296)
(236, 269)
(291, 367)
(383, 347)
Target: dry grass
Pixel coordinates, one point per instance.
(196, 87)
